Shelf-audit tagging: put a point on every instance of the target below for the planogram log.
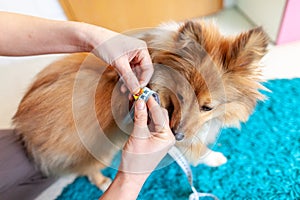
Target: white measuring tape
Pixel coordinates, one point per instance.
(174, 152)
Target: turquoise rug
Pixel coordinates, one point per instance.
(263, 158)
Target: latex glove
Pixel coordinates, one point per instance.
(130, 58)
(145, 148)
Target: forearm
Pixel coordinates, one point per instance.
(23, 35)
(125, 186)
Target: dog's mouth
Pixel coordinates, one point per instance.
(179, 136)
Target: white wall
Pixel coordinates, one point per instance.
(43, 8)
(266, 13)
(229, 3)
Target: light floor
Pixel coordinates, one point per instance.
(17, 73)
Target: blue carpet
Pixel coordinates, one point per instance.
(263, 158)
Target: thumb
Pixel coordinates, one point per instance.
(127, 75)
(140, 114)
(140, 128)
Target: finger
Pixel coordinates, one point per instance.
(158, 127)
(146, 67)
(140, 114)
(166, 114)
(158, 115)
(129, 78)
(140, 128)
(163, 110)
(123, 88)
(136, 69)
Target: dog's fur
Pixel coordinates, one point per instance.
(204, 79)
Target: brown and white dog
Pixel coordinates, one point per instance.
(204, 79)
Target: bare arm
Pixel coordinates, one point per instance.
(125, 186)
(23, 35)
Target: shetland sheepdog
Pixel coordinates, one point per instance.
(204, 79)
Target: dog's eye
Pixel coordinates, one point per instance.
(180, 97)
(206, 108)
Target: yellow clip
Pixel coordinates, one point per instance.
(137, 95)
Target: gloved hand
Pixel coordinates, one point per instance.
(146, 147)
(130, 58)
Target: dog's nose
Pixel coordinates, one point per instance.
(179, 136)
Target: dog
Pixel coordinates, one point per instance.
(204, 79)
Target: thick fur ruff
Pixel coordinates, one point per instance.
(204, 79)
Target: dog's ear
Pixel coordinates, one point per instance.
(247, 48)
(190, 30)
(243, 74)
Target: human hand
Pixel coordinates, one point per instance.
(130, 57)
(146, 147)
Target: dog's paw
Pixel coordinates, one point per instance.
(104, 184)
(100, 181)
(213, 159)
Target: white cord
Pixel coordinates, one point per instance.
(176, 154)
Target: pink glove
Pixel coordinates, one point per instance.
(130, 58)
(145, 148)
